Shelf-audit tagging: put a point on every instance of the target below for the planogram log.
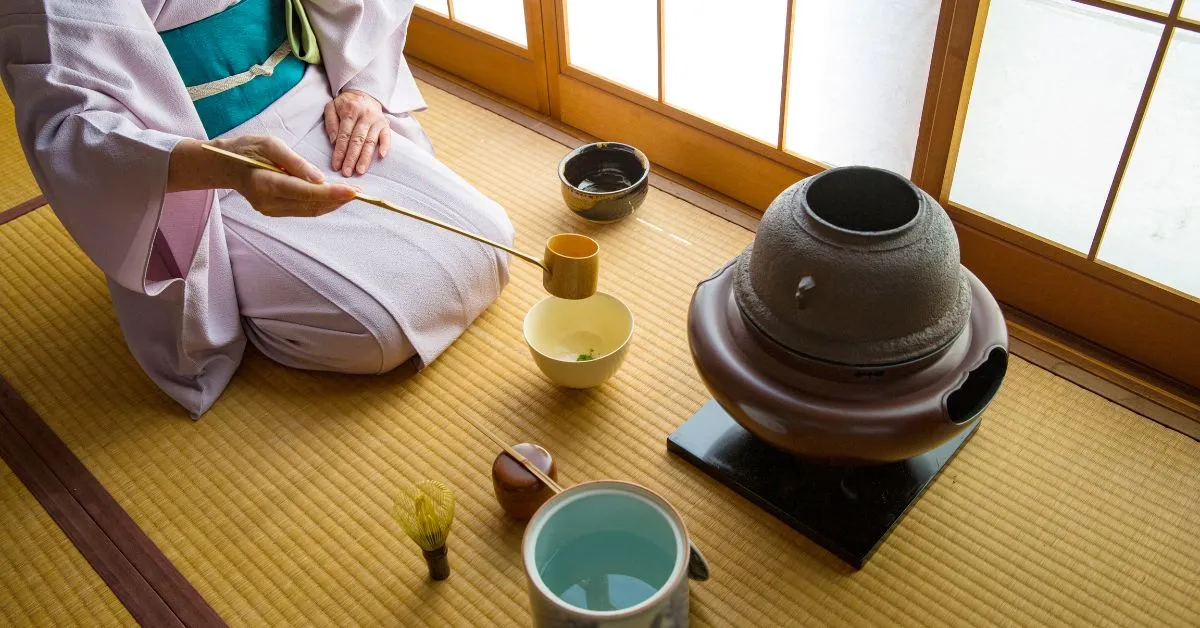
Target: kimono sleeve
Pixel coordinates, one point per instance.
(362, 48)
(99, 108)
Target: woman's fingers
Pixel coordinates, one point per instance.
(281, 155)
(314, 200)
(331, 122)
(385, 141)
(281, 195)
(358, 139)
(342, 142)
(376, 131)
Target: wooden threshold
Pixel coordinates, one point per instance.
(1105, 373)
(1121, 381)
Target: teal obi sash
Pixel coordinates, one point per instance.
(235, 63)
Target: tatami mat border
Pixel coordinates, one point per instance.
(141, 577)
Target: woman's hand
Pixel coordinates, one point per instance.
(356, 128)
(302, 192)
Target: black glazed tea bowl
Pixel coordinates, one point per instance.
(605, 181)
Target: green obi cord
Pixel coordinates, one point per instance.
(239, 61)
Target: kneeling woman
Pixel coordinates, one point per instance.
(114, 100)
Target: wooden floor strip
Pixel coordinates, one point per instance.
(118, 573)
(140, 575)
(21, 209)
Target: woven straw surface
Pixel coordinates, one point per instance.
(44, 580)
(1063, 509)
(17, 181)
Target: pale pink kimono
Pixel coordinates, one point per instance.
(99, 107)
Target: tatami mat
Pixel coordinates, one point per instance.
(16, 181)
(44, 581)
(1063, 509)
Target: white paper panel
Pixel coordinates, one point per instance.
(858, 79)
(436, 6)
(616, 39)
(505, 18)
(1154, 229)
(1053, 101)
(1191, 9)
(724, 62)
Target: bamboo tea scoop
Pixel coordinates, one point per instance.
(697, 564)
(570, 265)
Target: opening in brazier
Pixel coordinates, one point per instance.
(866, 200)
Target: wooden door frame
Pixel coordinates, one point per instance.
(493, 63)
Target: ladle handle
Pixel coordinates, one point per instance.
(378, 202)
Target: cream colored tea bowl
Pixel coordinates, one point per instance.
(579, 343)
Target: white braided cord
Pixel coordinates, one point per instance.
(266, 68)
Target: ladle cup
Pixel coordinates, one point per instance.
(570, 267)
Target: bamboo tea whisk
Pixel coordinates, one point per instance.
(425, 513)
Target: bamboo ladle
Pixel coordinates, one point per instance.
(570, 265)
